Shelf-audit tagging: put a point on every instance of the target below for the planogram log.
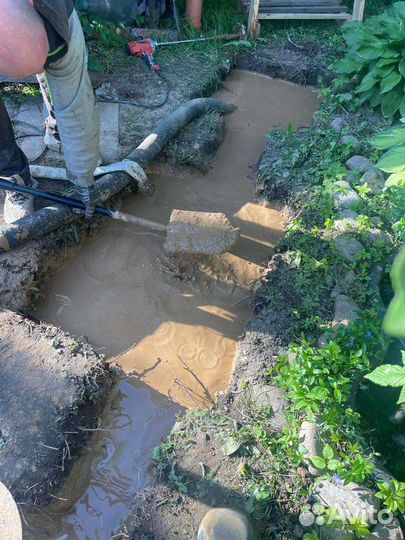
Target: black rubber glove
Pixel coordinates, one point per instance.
(87, 194)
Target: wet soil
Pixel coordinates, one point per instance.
(46, 376)
(180, 335)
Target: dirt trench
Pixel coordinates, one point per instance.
(39, 254)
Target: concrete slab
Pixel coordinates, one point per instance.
(109, 132)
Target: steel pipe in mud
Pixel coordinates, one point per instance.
(50, 218)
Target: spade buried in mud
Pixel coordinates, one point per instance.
(203, 233)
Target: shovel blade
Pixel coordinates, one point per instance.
(203, 233)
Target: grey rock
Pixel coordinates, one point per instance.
(348, 214)
(338, 123)
(326, 533)
(309, 439)
(377, 236)
(345, 282)
(351, 500)
(345, 225)
(391, 531)
(347, 198)
(352, 141)
(275, 398)
(225, 524)
(359, 163)
(374, 179)
(348, 247)
(346, 311)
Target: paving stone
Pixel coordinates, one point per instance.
(350, 140)
(359, 163)
(225, 524)
(374, 179)
(109, 132)
(348, 247)
(338, 123)
(347, 198)
(351, 501)
(346, 311)
(30, 114)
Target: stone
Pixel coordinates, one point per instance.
(345, 282)
(273, 397)
(338, 123)
(309, 439)
(31, 121)
(346, 197)
(225, 524)
(348, 214)
(350, 140)
(345, 225)
(374, 179)
(359, 163)
(377, 236)
(351, 501)
(348, 247)
(390, 531)
(346, 311)
(109, 132)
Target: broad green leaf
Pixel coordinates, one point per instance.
(376, 99)
(401, 67)
(333, 464)
(366, 84)
(230, 447)
(402, 107)
(391, 102)
(396, 179)
(388, 138)
(388, 375)
(327, 452)
(393, 161)
(394, 321)
(319, 462)
(318, 393)
(347, 66)
(389, 82)
(369, 53)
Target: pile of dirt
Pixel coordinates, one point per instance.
(46, 378)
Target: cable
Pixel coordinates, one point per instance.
(106, 99)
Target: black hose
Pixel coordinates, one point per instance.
(53, 197)
(50, 218)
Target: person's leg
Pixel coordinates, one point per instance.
(14, 165)
(75, 110)
(12, 158)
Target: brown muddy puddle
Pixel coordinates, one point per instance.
(177, 337)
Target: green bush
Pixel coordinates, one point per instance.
(376, 57)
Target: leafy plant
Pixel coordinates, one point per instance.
(392, 495)
(390, 375)
(326, 461)
(394, 322)
(393, 160)
(376, 57)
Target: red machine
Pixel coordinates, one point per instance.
(144, 48)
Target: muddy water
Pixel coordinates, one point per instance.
(177, 336)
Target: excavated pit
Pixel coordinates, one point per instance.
(172, 327)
